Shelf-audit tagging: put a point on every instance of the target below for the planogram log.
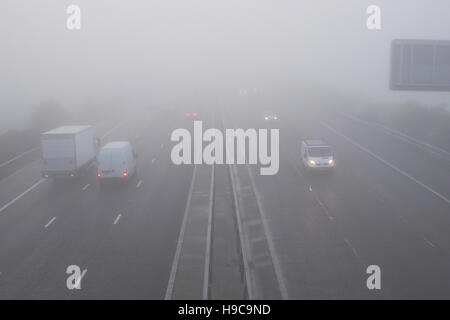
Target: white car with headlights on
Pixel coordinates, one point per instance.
(317, 155)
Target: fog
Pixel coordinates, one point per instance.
(143, 52)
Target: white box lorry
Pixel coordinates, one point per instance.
(67, 151)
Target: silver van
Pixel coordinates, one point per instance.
(316, 155)
(116, 161)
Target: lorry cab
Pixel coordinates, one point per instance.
(116, 161)
(316, 155)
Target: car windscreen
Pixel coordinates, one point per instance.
(319, 151)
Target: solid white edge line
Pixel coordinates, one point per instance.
(402, 136)
(273, 252)
(111, 130)
(16, 172)
(176, 258)
(10, 203)
(247, 274)
(208, 237)
(37, 148)
(437, 194)
(245, 261)
(18, 157)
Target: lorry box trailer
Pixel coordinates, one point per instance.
(67, 150)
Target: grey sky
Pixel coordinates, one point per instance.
(167, 47)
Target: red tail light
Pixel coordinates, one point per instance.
(194, 114)
(125, 173)
(46, 176)
(99, 174)
(72, 175)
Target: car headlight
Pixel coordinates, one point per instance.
(330, 161)
(266, 118)
(312, 162)
(275, 118)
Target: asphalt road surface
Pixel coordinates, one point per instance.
(387, 203)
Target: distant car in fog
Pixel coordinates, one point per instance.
(116, 161)
(317, 155)
(270, 116)
(67, 151)
(191, 115)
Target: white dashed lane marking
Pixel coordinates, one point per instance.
(431, 190)
(10, 203)
(17, 157)
(324, 208)
(111, 130)
(431, 244)
(50, 222)
(347, 242)
(117, 219)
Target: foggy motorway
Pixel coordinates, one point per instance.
(224, 150)
(326, 229)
